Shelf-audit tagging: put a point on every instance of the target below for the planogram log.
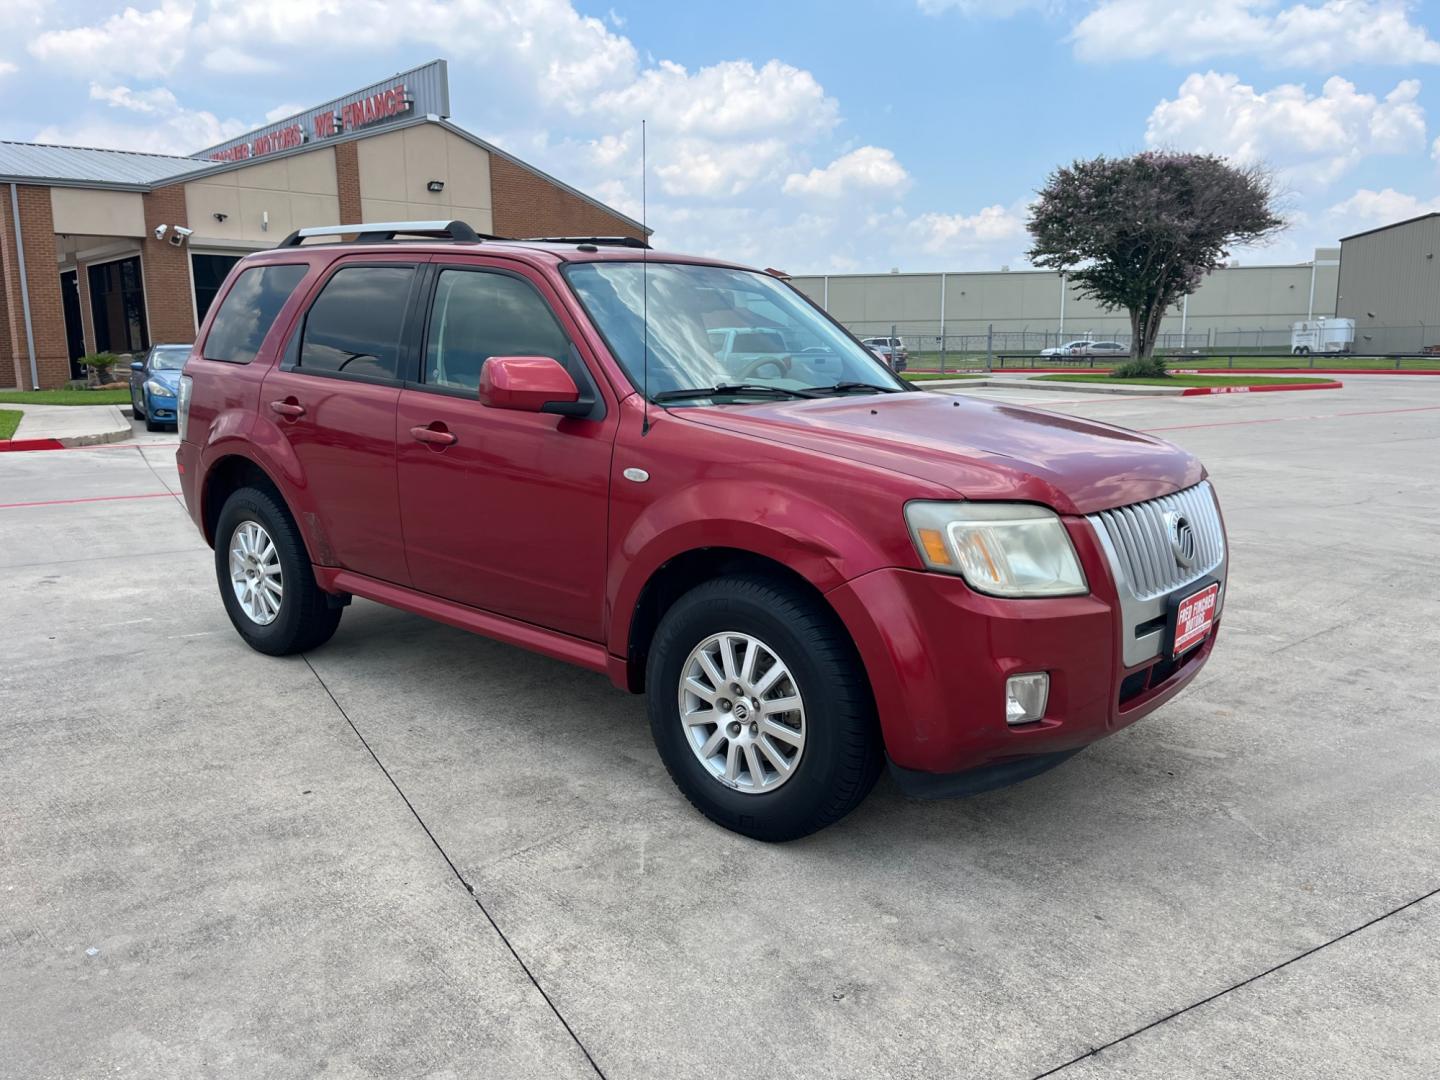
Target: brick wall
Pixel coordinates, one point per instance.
(347, 182)
(526, 204)
(169, 294)
(37, 228)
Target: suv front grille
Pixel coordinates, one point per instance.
(1140, 540)
(1136, 542)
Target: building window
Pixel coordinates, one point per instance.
(117, 303)
(210, 272)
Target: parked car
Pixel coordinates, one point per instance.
(892, 348)
(1088, 348)
(154, 382)
(809, 571)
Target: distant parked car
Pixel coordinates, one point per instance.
(154, 383)
(891, 349)
(1088, 348)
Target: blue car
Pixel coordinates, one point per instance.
(154, 382)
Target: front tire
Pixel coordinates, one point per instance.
(265, 578)
(760, 709)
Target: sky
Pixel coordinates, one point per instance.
(818, 137)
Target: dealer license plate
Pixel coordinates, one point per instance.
(1194, 618)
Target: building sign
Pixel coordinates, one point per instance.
(423, 91)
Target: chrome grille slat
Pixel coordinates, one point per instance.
(1141, 548)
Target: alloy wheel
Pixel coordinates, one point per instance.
(742, 712)
(255, 573)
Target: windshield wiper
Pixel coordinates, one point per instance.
(739, 389)
(846, 387)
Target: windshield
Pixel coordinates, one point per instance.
(172, 359)
(712, 326)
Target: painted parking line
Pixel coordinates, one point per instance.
(90, 499)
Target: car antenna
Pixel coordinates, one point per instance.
(644, 294)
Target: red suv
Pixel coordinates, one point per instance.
(809, 565)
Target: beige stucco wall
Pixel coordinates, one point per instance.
(87, 212)
(395, 167)
(295, 191)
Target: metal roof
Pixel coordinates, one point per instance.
(1392, 225)
(89, 167)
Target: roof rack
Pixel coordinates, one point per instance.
(373, 231)
(609, 241)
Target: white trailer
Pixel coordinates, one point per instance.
(1322, 336)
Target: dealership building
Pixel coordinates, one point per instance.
(112, 251)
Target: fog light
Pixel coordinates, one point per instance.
(1025, 697)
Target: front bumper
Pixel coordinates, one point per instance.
(938, 654)
(160, 410)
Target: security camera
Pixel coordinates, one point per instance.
(160, 231)
(181, 234)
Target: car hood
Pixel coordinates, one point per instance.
(978, 449)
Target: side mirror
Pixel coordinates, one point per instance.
(137, 365)
(530, 384)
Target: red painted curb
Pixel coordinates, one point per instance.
(1203, 391)
(31, 444)
(1202, 371)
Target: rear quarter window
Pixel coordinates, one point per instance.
(249, 310)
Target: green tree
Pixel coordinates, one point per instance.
(1139, 233)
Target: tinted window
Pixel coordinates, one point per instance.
(248, 310)
(479, 315)
(355, 324)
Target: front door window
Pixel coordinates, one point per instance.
(117, 302)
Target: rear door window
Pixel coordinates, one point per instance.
(249, 310)
(355, 325)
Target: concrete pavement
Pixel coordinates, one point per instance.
(260, 851)
(73, 425)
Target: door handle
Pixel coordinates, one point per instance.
(433, 436)
(292, 409)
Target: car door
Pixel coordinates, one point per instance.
(333, 398)
(137, 382)
(511, 515)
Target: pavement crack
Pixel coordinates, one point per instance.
(470, 889)
(1094, 1050)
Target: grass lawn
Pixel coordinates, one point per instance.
(64, 397)
(1184, 380)
(927, 376)
(9, 421)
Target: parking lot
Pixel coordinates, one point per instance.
(416, 852)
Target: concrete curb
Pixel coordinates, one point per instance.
(1204, 391)
(1139, 391)
(75, 426)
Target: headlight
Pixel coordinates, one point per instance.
(1005, 549)
(159, 389)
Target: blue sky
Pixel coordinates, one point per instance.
(835, 136)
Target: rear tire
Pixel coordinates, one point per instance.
(839, 754)
(151, 425)
(300, 617)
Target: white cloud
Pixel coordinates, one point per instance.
(870, 170)
(989, 229)
(1435, 149)
(1313, 139)
(282, 112)
(161, 125)
(1366, 207)
(7, 68)
(1320, 36)
(227, 60)
(148, 44)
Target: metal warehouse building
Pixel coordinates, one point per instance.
(1240, 306)
(110, 251)
(1390, 285)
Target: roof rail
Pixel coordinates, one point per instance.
(610, 241)
(371, 231)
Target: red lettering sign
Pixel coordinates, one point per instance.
(325, 124)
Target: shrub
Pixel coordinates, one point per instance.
(100, 363)
(1141, 367)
